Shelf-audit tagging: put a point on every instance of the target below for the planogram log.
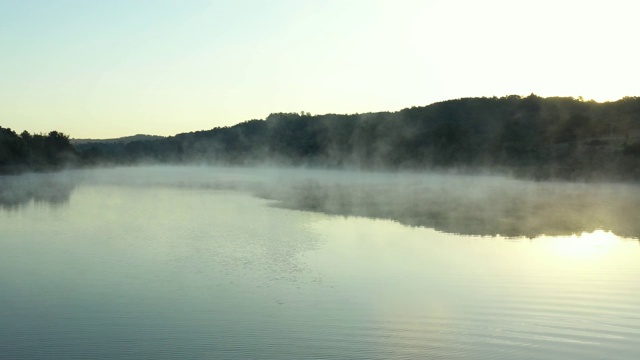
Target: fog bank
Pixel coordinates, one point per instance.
(462, 204)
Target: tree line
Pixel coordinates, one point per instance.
(39, 152)
(555, 137)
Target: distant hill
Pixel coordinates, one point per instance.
(544, 138)
(124, 140)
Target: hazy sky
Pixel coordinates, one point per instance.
(112, 68)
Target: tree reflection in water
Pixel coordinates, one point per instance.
(18, 191)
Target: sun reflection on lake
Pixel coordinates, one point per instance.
(585, 246)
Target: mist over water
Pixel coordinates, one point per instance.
(17, 191)
(486, 205)
(243, 263)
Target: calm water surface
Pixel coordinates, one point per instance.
(125, 267)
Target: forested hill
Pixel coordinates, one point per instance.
(541, 137)
(124, 140)
(528, 136)
(39, 152)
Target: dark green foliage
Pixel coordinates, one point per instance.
(13, 149)
(541, 137)
(34, 152)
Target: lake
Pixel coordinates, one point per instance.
(236, 263)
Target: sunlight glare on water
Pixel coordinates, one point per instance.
(586, 246)
(121, 268)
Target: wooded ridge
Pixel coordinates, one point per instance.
(555, 137)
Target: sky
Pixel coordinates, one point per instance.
(111, 68)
